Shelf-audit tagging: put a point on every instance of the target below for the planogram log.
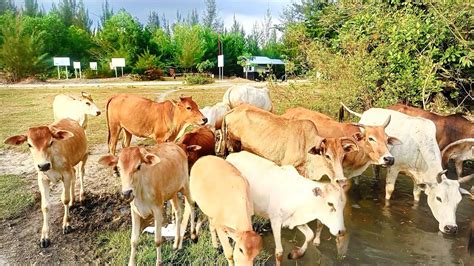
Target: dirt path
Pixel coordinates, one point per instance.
(103, 210)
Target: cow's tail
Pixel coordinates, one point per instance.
(107, 119)
(221, 148)
(446, 152)
(341, 112)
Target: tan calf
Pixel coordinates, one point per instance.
(223, 195)
(149, 178)
(146, 118)
(56, 149)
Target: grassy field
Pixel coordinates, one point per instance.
(16, 197)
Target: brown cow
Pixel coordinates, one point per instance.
(372, 140)
(145, 118)
(286, 142)
(228, 206)
(197, 143)
(56, 149)
(449, 128)
(149, 178)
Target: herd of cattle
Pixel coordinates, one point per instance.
(273, 163)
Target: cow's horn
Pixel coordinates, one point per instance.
(439, 177)
(465, 178)
(385, 124)
(358, 125)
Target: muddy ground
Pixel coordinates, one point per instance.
(102, 210)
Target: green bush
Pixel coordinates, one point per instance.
(198, 79)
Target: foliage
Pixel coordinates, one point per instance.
(189, 45)
(198, 79)
(16, 197)
(20, 53)
(204, 65)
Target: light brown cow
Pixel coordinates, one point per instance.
(286, 142)
(372, 140)
(228, 206)
(56, 149)
(198, 142)
(145, 118)
(449, 128)
(149, 178)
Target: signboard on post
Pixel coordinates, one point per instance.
(118, 62)
(77, 66)
(61, 61)
(220, 60)
(93, 66)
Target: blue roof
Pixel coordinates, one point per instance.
(263, 60)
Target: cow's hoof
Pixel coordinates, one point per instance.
(220, 250)
(194, 238)
(295, 254)
(67, 229)
(45, 242)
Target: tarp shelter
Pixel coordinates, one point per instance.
(259, 67)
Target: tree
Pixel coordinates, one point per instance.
(51, 30)
(210, 18)
(193, 18)
(107, 12)
(32, 8)
(81, 17)
(189, 46)
(20, 53)
(236, 27)
(7, 5)
(234, 47)
(153, 21)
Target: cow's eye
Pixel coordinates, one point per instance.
(188, 108)
(29, 145)
(439, 199)
(330, 204)
(328, 157)
(372, 139)
(139, 167)
(241, 250)
(88, 103)
(50, 144)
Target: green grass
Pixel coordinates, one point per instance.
(114, 248)
(15, 196)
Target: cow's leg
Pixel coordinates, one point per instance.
(308, 233)
(392, 174)
(43, 184)
(68, 179)
(177, 215)
(228, 250)
(188, 214)
(158, 215)
(276, 229)
(72, 187)
(127, 138)
(458, 164)
(134, 237)
(114, 131)
(201, 219)
(82, 171)
(376, 171)
(319, 229)
(212, 230)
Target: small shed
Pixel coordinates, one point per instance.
(259, 67)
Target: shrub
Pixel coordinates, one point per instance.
(198, 79)
(149, 74)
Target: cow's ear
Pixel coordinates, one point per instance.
(151, 159)
(349, 145)
(318, 192)
(108, 161)
(394, 141)
(465, 192)
(230, 231)
(193, 148)
(319, 149)
(15, 140)
(358, 136)
(85, 94)
(61, 134)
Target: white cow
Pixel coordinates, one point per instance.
(290, 200)
(65, 106)
(215, 114)
(237, 95)
(419, 156)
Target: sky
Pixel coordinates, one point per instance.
(247, 12)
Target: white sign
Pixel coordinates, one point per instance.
(77, 65)
(93, 65)
(61, 61)
(118, 62)
(220, 60)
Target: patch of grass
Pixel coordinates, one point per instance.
(15, 198)
(114, 248)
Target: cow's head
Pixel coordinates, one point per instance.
(131, 164)
(443, 198)
(332, 213)
(88, 105)
(247, 246)
(192, 152)
(333, 151)
(374, 142)
(188, 111)
(41, 141)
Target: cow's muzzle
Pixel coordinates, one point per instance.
(97, 113)
(127, 194)
(389, 160)
(44, 167)
(341, 232)
(451, 229)
(204, 121)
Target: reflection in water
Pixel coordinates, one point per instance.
(377, 234)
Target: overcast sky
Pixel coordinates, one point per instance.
(246, 11)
